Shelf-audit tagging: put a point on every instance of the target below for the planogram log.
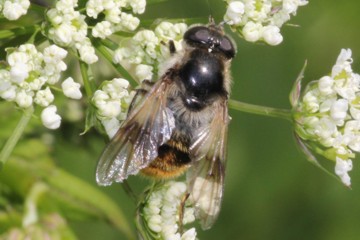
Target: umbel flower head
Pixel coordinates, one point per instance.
(111, 102)
(159, 213)
(327, 117)
(68, 26)
(28, 76)
(261, 20)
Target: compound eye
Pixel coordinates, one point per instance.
(202, 35)
(227, 47)
(197, 35)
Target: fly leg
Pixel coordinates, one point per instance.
(182, 212)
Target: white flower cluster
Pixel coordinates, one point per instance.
(261, 20)
(161, 212)
(149, 48)
(329, 114)
(30, 73)
(115, 19)
(13, 9)
(69, 29)
(112, 103)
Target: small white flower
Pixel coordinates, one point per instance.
(113, 16)
(50, 118)
(143, 72)
(271, 35)
(342, 168)
(311, 101)
(343, 63)
(108, 108)
(189, 216)
(23, 99)
(13, 9)
(5, 80)
(234, 12)
(71, 89)
(326, 129)
(44, 97)
(54, 54)
(63, 34)
(102, 30)
(252, 31)
(325, 85)
(17, 57)
(138, 6)
(87, 54)
(9, 94)
(154, 223)
(93, 8)
(128, 21)
(19, 72)
(189, 234)
(339, 110)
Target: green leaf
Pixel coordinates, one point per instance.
(90, 119)
(65, 194)
(78, 194)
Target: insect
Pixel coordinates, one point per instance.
(180, 123)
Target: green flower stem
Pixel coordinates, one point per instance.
(15, 136)
(36, 31)
(100, 46)
(88, 84)
(6, 34)
(109, 44)
(260, 110)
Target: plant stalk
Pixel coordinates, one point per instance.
(15, 136)
(260, 110)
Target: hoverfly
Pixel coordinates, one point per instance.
(180, 123)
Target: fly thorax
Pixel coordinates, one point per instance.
(202, 79)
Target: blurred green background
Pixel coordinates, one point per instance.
(271, 191)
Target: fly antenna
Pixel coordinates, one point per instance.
(211, 18)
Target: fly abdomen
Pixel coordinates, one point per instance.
(172, 160)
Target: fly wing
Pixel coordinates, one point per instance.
(206, 176)
(135, 145)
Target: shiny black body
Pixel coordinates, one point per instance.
(202, 75)
(203, 79)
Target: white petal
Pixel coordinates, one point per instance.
(189, 234)
(252, 31)
(272, 35)
(19, 72)
(50, 118)
(71, 89)
(339, 110)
